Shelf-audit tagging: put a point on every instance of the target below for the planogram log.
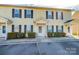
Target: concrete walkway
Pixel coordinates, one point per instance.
(38, 39)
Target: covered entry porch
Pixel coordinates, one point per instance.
(40, 28)
(3, 27)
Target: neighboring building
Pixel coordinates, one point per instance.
(17, 18)
(75, 24)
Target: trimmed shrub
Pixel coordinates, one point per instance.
(15, 35)
(63, 34)
(50, 34)
(12, 35)
(59, 34)
(31, 34)
(21, 35)
(56, 34)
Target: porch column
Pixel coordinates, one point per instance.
(6, 31)
(70, 29)
(77, 29)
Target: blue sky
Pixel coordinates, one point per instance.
(53, 3)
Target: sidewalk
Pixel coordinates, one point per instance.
(37, 40)
(76, 36)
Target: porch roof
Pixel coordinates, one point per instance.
(69, 21)
(3, 20)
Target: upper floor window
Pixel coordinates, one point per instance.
(59, 15)
(28, 13)
(16, 13)
(49, 15)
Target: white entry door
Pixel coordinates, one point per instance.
(2, 31)
(41, 31)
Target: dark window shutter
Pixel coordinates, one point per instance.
(62, 15)
(20, 28)
(31, 13)
(56, 15)
(24, 13)
(25, 28)
(52, 15)
(46, 14)
(31, 28)
(47, 28)
(12, 28)
(20, 14)
(13, 13)
(62, 28)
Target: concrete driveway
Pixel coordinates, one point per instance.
(41, 48)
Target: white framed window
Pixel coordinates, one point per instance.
(49, 15)
(28, 13)
(60, 28)
(49, 28)
(60, 15)
(16, 13)
(30, 28)
(3, 29)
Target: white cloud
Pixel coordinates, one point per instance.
(56, 3)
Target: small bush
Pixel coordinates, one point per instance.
(12, 35)
(20, 35)
(50, 34)
(15, 35)
(31, 34)
(62, 34)
(56, 34)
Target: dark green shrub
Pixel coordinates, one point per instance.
(50, 34)
(12, 35)
(56, 34)
(59, 34)
(31, 34)
(15, 35)
(63, 34)
(20, 35)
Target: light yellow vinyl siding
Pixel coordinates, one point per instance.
(38, 14)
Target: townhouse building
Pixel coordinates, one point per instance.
(38, 19)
